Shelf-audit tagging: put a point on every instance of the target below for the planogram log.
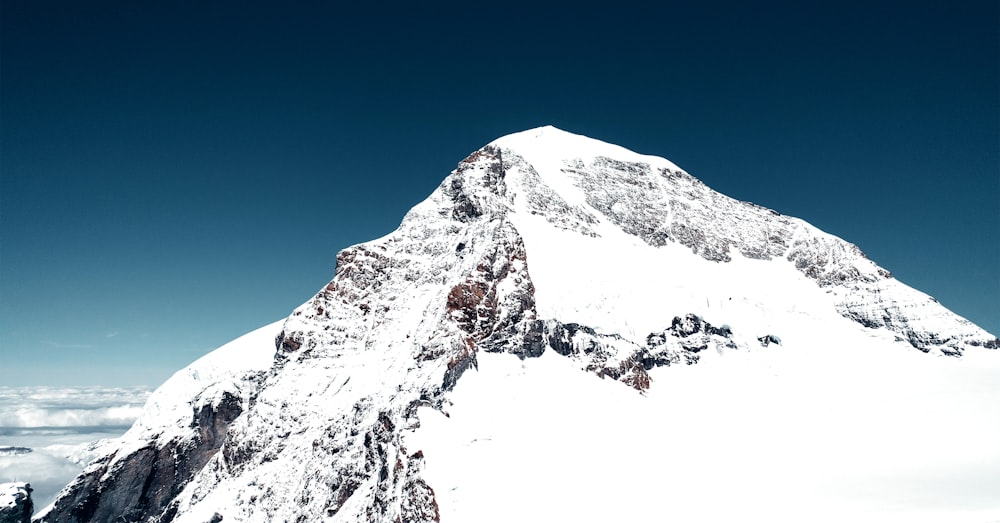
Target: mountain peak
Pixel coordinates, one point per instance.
(547, 144)
(543, 246)
(545, 136)
(540, 132)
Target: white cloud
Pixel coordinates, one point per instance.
(122, 415)
(22, 407)
(75, 418)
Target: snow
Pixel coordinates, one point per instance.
(83, 454)
(837, 423)
(548, 149)
(631, 288)
(205, 379)
(10, 492)
(783, 434)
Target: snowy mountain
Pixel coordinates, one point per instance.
(551, 298)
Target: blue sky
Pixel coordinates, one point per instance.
(176, 174)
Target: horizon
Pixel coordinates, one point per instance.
(175, 177)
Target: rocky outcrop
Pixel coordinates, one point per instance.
(612, 356)
(663, 204)
(769, 339)
(139, 486)
(16, 505)
(914, 317)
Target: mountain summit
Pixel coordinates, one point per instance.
(610, 338)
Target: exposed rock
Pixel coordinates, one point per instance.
(612, 356)
(141, 485)
(768, 339)
(914, 317)
(16, 505)
(418, 504)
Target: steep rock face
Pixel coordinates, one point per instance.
(16, 505)
(541, 240)
(183, 424)
(136, 484)
(402, 320)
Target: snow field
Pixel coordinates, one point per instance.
(764, 436)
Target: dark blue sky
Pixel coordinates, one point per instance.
(175, 174)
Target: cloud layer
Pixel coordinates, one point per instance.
(61, 425)
(27, 407)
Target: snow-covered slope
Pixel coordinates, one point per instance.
(561, 254)
(182, 425)
(825, 433)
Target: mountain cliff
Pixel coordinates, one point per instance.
(541, 244)
(16, 505)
